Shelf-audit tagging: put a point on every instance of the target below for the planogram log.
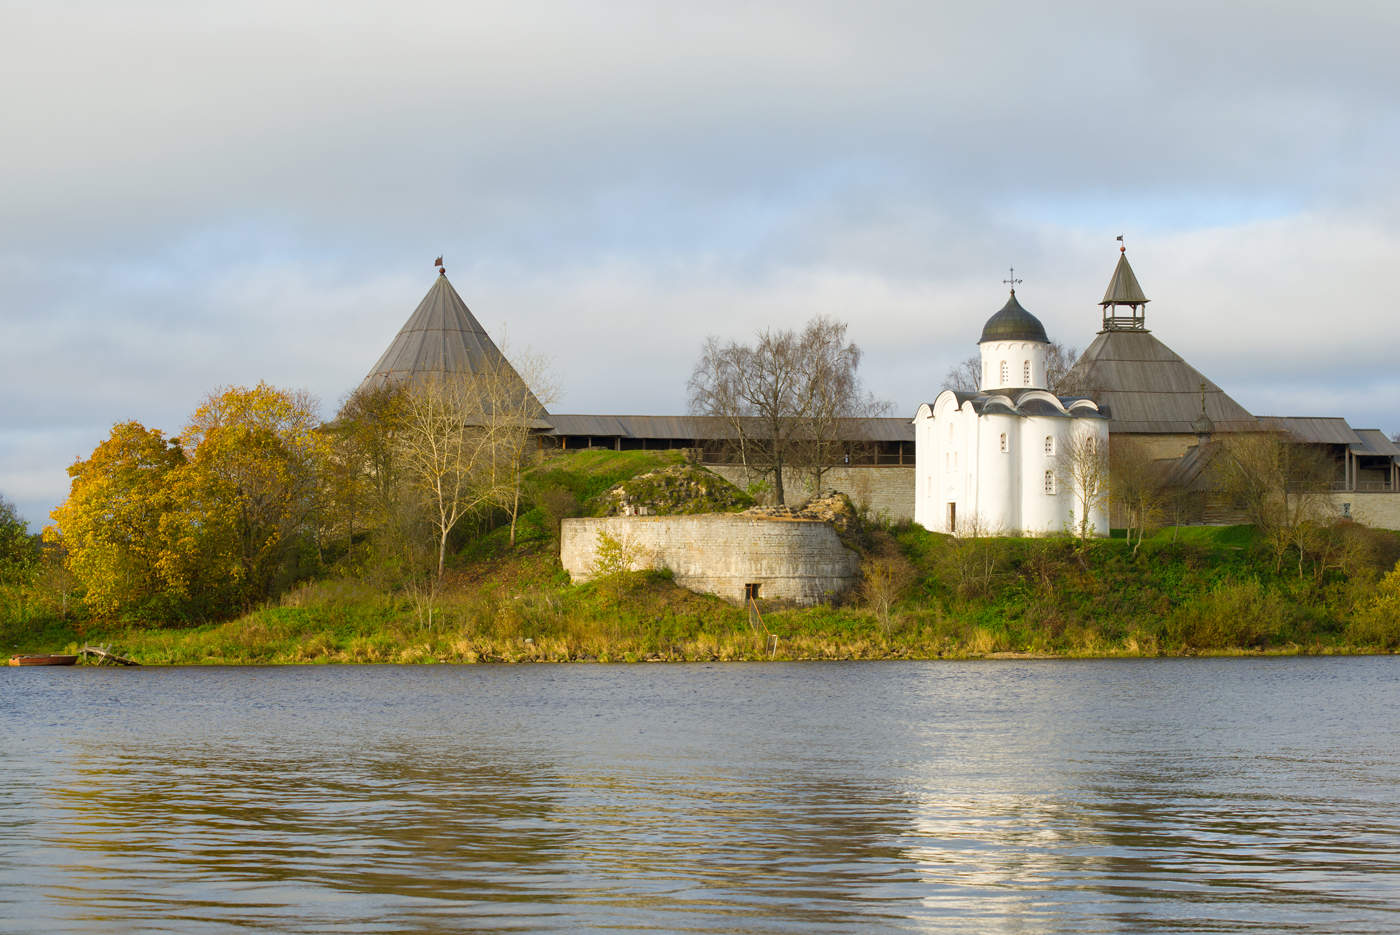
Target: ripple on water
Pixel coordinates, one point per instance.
(1191, 795)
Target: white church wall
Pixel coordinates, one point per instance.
(924, 456)
(1019, 357)
(948, 430)
(998, 507)
(1042, 512)
(1098, 511)
(968, 463)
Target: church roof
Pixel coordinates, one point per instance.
(1147, 388)
(441, 337)
(1026, 402)
(1013, 323)
(1123, 288)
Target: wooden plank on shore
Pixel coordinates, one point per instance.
(104, 657)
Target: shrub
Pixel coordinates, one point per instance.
(618, 563)
(1377, 624)
(1233, 614)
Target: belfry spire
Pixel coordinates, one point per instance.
(1123, 289)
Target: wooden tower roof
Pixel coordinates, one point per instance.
(1146, 387)
(441, 338)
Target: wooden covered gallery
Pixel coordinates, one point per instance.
(866, 442)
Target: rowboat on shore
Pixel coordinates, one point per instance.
(47, 659)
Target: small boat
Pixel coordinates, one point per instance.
(49, 659)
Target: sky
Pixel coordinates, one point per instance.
(195, 195)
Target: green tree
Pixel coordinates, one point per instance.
(362, 473)
(19, 552)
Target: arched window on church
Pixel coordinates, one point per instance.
(1003, 443)
(1005, 374)
(1050, 482)
(1026, 373)
(1049, 444)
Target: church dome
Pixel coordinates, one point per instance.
(1013, 323)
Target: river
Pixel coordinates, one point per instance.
(1205, 795)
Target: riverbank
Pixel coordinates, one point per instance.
(1184, 591)
(1188, 592)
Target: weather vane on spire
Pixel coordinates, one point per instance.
(1122, 248)
(1013, 280)
(442, 270)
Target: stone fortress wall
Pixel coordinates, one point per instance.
(796, 560)
(1378, 509)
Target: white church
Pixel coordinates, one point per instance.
(1002, 461)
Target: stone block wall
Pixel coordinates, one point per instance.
(1378, 509)
(801, 561)
(886, 490)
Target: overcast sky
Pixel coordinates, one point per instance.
(202, 194)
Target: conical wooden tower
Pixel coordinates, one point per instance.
(441, 338)
(1143, 385)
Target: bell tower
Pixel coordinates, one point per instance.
(1124, 293)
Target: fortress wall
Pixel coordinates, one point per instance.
(888, 489)
(1378, 509)
(1159, 447)
(718, 553)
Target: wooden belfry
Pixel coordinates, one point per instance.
(1123, 290)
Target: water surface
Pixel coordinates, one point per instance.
(1258, 795)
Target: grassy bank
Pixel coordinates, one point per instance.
(1187, 591)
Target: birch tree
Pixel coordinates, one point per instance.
(461, 442)
(1281, 486)
(1137, 486)
(787, 400)
(1083, 466)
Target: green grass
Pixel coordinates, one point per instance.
(1191, 590)
(589, 473)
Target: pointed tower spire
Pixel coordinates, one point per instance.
(442, 338)
(1123, 289)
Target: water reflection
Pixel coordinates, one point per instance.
(1020, 798)
(300, 829)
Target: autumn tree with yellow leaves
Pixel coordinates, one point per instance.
(252, 482)
(202, 524)
(111, 525)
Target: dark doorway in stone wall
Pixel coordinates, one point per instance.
(751, 591)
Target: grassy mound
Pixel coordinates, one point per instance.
(674, 490)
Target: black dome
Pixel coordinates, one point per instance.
(1013, 323)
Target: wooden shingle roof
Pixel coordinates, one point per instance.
(441, 338)
(1146, 388)
(710, 428)
(1123, 288)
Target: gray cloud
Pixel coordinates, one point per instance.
(202, 194)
